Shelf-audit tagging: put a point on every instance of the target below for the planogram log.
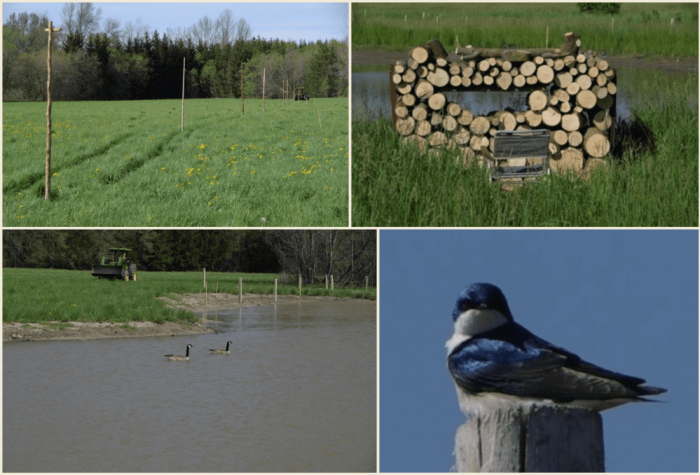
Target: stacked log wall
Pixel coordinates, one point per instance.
(574, 96)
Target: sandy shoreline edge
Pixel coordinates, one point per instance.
(18, 332)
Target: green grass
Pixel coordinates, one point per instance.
(396, 185)
(638, 29)
(45, 295)
(126, 163)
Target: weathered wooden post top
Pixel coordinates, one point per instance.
(569, 92)
(532, 406)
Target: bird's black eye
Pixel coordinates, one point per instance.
(465, 305)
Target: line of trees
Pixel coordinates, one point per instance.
(113, 63)
(348, 255)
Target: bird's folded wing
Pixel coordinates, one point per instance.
(487, 366)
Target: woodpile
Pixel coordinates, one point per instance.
(570, 93)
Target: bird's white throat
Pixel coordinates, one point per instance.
(474, 322)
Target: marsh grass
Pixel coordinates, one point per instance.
(640, 28)
(127, 164)
(50, 295)
(652, 181)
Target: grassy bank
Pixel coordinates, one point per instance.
(126, 163)
(42, 295)
(653, 181)
(639, 28)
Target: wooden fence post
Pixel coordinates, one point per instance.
(204, 274)
(240, 290)
(299, 285)
(537, 439)
(182, 120)
(275, 290)
(47, 168)
(331, 281)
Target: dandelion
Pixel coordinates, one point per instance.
(56, 174)
(162, 168)
(97, 169)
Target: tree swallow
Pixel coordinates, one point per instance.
(497, 363)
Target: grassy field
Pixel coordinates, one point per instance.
(639, 28)
(652, 181)
(127, 163)
(42, 295)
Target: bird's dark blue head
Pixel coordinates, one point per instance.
(486, 296)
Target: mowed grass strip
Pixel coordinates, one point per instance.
(43, 295)
(127, 163)
(639, 28)
(397, 185)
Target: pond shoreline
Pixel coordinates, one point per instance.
(49, 331)
(688, 64)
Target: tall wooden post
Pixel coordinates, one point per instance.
(263, 89)
(537, 439)
(240, 290)
(275, 290)
(182, 121)
(47, 170)
(242, 94)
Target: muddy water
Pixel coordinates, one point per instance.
(297, 393)
(371, 96)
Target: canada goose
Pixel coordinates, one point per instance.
(180, 358)
(222, 352)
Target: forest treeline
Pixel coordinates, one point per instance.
(348, 255)
(92, 62)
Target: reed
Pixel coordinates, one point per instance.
(650, 181)
(638, 29)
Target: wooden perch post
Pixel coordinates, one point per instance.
(182, 119)
(537, 439)
(47, 170)
(242, 93)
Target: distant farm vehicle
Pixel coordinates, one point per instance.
(118, 267)
(300, 94)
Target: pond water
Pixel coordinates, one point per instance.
(296, 394)
(371, 94)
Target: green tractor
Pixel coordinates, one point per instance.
(300, 94)
(117, 268)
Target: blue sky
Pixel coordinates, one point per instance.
(286, 21)
(626, 300)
